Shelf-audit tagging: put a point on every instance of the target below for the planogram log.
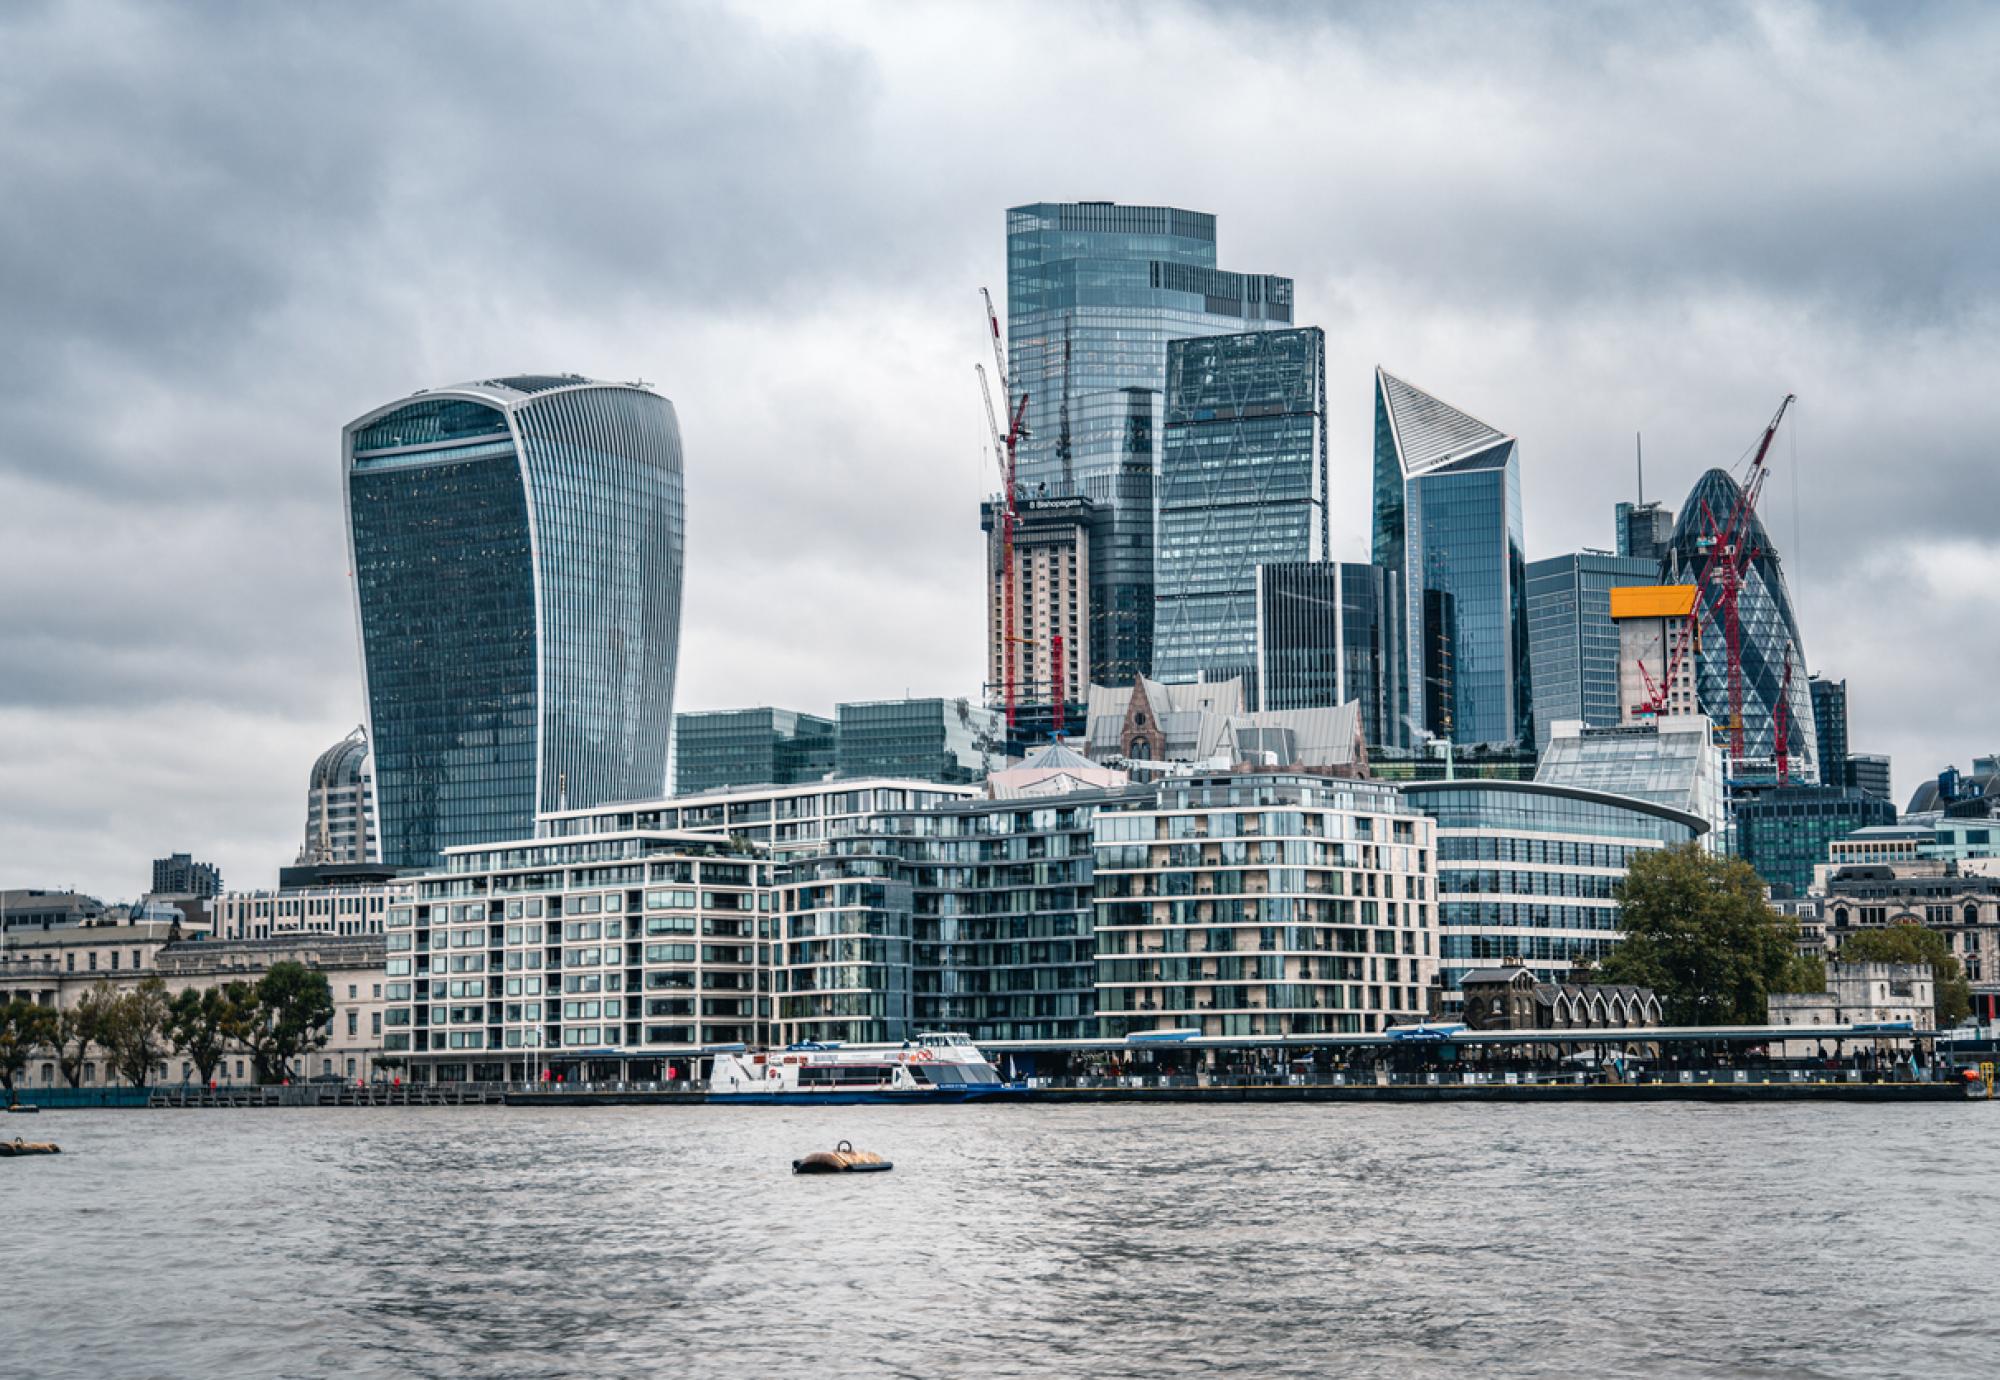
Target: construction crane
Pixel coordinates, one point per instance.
(1719, 584)
(1006, 446)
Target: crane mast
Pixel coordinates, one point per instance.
(1006, 446)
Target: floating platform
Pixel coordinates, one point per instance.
(1441, 1091)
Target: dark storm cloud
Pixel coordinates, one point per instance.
(225, 230)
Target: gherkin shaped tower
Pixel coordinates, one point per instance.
(1769, 632)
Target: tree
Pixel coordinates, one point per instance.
(1700, 934)
(24, 1028)
(1915, 944)
(199, 1023)
(1803, 973)
(134, 1029)
(286, 1014)
(79, 1027)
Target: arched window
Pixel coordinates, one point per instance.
(1840, 915)
(1971, 913)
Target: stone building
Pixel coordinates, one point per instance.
(1510, 998)
(1859, 994)
(56, 968)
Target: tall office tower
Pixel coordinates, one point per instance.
(1053, 541)
(719, 748)
(1829, 702)
(1095, 291)
(1768, 635)
(1645, 531)
(1448, 516)
(1326, 634)
(516, 547)
(180, 875)
(340, 805)
(1243, 481)
(1572, 642)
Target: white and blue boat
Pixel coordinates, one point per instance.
(934, 1067)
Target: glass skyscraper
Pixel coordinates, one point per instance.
(1572, 642)
(1326, 634)
(1645, 530)
(516, 549)
(1095, 291)
(1243, 479)
(1769, 635)
(1829, 702)
(1448, 516)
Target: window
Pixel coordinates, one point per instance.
(353, 1020)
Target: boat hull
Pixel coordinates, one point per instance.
(861, 1097)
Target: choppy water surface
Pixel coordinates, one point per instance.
(1085, 1241)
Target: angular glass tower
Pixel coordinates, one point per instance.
(516, 547)
(1243, 479)
(1448, 517)
(1769, 634)
(1095, 291)
(1572, 642)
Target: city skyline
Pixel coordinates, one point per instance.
(179, 640)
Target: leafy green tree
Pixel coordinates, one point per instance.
(286, 1015)
(24, 1028)
(1804, 973)
(199, 1024)
(133, 1031)
(80, 1026)
(1915, 944)
(1700, 934)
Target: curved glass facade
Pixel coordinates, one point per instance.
(1769, 632)
(517, 567)
(1530, 872)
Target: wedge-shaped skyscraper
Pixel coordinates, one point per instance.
(1448, 519)
(516, 550)
(1768, 633)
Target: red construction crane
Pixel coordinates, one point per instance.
(1729, 553)
(1005, 447)
(1782, 724)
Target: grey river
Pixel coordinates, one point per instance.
(1009, 1241)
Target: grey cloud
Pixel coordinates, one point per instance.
(225, 230)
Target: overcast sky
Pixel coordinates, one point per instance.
(225, 230)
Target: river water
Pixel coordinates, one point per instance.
(1009, 1241)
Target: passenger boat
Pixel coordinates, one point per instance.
(940, 1066)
